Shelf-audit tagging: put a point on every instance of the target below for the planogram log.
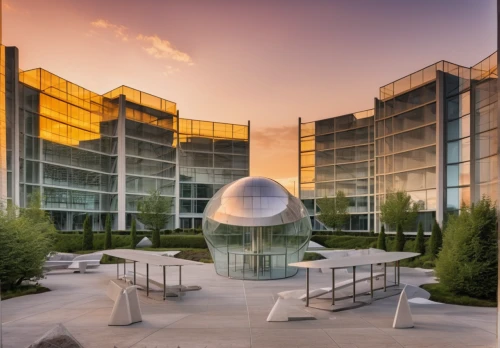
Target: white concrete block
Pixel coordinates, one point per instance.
(403, 318)
(82, 266)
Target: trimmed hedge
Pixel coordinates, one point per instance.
(70, 243)
(345, 242)
(189, 241)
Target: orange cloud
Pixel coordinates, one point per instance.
(160, 49)
(118, 30)
(8, 7)
(170, 70)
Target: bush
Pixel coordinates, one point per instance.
(88, 235)
(108, 244)
(133, 235)
(200, 255)
(71, 243)
(419, 241)
(156, 239)
(190, 241)
(345, 242)
(400, 238)
(26, 237)
(309, 256)
(468, 262)
(381, 244)
(436, 240)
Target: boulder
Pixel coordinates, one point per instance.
(144, 243)
(58, 337)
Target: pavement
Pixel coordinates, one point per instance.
(232, 313)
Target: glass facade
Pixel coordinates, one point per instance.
(337, 154)
(93, 154)
(433, 134)
(211, 155)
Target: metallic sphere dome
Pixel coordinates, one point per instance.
(254, 201)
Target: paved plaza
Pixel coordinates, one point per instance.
(232, 313)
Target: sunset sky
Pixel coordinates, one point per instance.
(269, 62)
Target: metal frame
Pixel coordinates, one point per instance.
(397, 280)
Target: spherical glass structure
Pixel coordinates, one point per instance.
(254, 228)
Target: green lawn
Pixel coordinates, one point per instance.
(23, 290)
(439, 293)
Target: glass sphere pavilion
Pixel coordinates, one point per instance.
(254, 228)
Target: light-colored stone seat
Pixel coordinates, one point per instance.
(126, 309)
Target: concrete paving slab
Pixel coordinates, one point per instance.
(232, 313)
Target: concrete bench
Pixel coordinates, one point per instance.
(126, 309)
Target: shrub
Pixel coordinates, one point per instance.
(419, 241)
(400, 238)
(345, 241)
(71, 243)
(133, 235)
(108, 244)
(309, 256)
(436, 240)
(88, 235)
(200, 255)
(26, 237)
(179, 241)
(381, 244)
(468, 261)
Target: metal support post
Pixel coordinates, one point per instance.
(395, 273)
(135, 283)
(307, 287)
(124, 267)
(147, 279)
(117, 270)
(399, 273)
(180, 282)
(385, 276)
(333, 286)
(371, 280)
(353, 284)
(164, 284)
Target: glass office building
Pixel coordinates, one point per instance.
(94, 154)
(432, 133)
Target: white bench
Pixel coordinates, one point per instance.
(126, 309)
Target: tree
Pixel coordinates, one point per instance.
(27, 236)
(400, 238)
(467, 263)
(108, 243)
(88, 235)
(381, 239)
(399, 209)
(133, 235)
(419, 241)
(334, 210)
(436, 240)
(154, 213)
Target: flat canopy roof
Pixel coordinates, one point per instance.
(350, 261)
(149, 257)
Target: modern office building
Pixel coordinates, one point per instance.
(433, 133)
(90, 153)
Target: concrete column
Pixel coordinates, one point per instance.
(376, 227)
(121, 166)
(177, 186)
(498, 185)
(440, 148)
(12, 61)
(472, 127)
